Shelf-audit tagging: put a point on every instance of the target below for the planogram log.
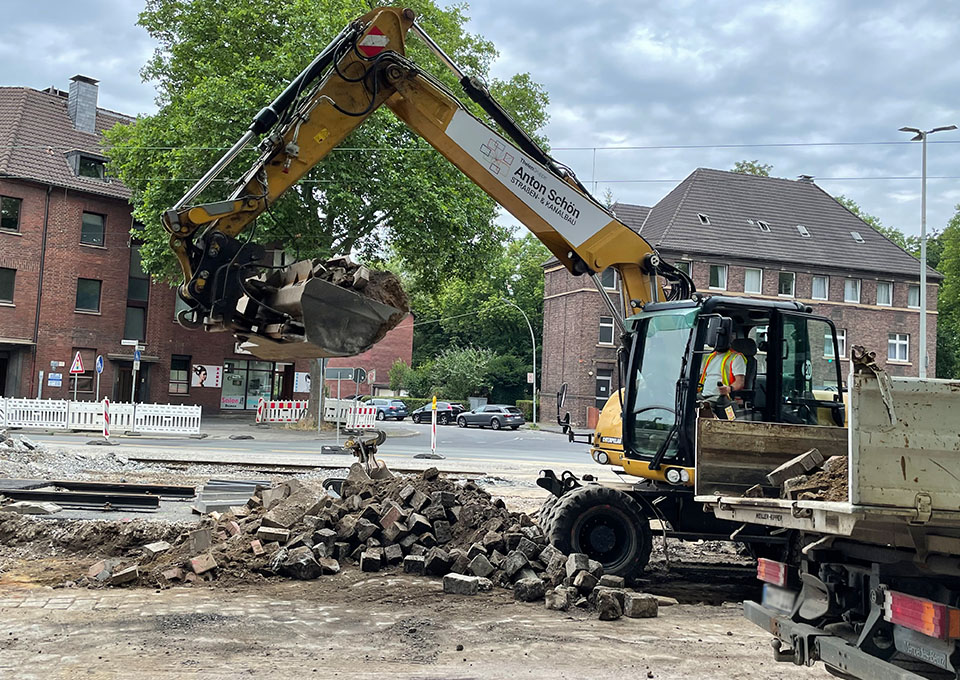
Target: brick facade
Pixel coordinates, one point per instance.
(48, 257)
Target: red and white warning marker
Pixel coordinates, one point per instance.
(373, 42)
(106, 419)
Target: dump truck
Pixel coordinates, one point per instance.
(871, 585)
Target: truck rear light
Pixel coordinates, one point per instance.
(922, 615)
(772, 572)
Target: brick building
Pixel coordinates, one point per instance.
(71, 281)
(751, 236)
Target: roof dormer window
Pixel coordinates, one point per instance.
(704, 219)
(763, 226)
(803, 231)
(856, 236)
(87, 165)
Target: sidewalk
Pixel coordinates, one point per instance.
(227, 427)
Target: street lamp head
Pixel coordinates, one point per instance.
(910, 129)
(943, 129)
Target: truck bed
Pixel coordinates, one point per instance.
(903, 466)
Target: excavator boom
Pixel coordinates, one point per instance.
(301, 312)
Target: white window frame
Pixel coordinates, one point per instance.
(615, 286)
(704, 218)
(896, 341)
(763, 226)
(804, 232)
(889, 302)
(913, 287)
(826, 287)
(722, 268)
(859, 290)
(841, 344)
(684, 266)
(793, 287)
(607, 379)
(606, 322)
(759, 290)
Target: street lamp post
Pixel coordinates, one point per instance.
(533, 342)
(921, 136)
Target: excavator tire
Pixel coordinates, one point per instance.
(545, 518)
(606, 524)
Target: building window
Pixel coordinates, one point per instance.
(604, 386)
(608, 277)
(704, 219)
(90, 167)
(88, 295)
(884, 293)
(763, 226)
(841, 344)
(913, 297)
(606, 330)
(898, 347)
(718, 276)
(820, 288)
(7, 279)
(91, 231)
(10, 213)
(786, 284)
(135, 324)
(83, 381)
(753, 281)
(683, 265)
(851, 290)
(804, 232)
(179, 374)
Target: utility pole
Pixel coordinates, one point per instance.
(533, 343)
(921, 136)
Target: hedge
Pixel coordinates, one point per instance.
(526, 405)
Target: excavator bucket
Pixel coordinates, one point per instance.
(333, 309)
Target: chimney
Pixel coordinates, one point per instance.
(806, 179)
(82, 103)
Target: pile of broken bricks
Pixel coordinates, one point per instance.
(425, 524)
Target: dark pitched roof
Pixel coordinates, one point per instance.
(631, 215)
(731, 201)
(36, 134)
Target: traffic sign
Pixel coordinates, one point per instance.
(360, 376)
(99, 364)
(339, 373)
(529, 378)
(77, 365)
(136, 355)
(55, 380)
(372, 376)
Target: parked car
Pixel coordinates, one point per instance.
(494, 416)
(389, 408)
(447, 413)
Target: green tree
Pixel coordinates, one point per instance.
(217, 63)
(948, 302)
(752, 168)
(400, 376)
(462, 373)
(911, 244)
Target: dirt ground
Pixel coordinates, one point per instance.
(354, 625)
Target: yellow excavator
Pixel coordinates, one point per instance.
(667, 330)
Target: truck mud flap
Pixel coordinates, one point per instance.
(804, 645)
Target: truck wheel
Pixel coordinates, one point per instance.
(607, 525)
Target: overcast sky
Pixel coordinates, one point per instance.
(652, 73)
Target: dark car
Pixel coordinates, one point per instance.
(492, 415)
(389, 408)
(447, 413)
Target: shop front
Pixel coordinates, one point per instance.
(246, 381)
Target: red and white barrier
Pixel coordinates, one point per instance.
(106, 419)
(285, 411)
(362, 417)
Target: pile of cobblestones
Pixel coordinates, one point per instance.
(422, 524)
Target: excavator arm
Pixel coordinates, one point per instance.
(293, 313)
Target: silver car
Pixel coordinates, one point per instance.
(494, 416)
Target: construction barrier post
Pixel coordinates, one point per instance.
(106, 419)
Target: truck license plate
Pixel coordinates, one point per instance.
(778, 598)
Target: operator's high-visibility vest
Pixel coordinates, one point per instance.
(726, 367)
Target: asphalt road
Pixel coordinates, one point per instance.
(471, 448)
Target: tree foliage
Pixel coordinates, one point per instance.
(948, 302)
(754, 167)
(218, 62)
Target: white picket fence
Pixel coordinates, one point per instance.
(59, 414)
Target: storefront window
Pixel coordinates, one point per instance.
(245, 382)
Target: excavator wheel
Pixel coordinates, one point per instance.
(606, 524)
(545, 517)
